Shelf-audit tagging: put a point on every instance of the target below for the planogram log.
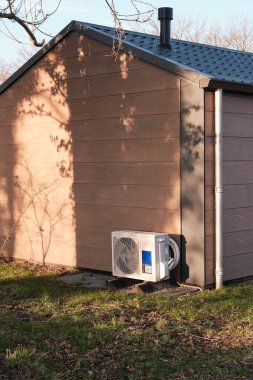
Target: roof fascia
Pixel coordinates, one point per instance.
(215, 84)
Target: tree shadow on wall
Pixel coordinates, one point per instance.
(93, 148)
(192, 177)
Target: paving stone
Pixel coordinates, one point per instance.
(87, 279)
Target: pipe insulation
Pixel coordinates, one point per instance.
(218, 190)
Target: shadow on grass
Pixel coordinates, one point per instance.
(49, 330)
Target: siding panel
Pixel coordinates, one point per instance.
(238, 198)
(237, 125)
(88, 65)
(94, 144)
(160, 197)
(235, 196)
(150, 79)
(102, 151)
(236, 173)
(235, 244)
(238, 149)
(237, 104)
(134, 173)
(238, 189)
(136, 127)
(235, 267)
(126, 105)
(238, 219)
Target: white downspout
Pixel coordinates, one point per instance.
(218, 190)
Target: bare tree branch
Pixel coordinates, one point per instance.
(142, 13)
(28, 15)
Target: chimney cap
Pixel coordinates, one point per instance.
(165, 13)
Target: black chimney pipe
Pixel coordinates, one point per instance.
(165, 15)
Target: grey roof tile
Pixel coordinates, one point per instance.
(218, 63)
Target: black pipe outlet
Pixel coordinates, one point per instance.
(165, 15)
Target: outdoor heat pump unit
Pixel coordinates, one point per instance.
(146, 256)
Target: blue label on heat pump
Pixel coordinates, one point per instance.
(146, 258)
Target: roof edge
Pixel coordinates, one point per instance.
(215, 84)
(37, 56)
(203, 80)
(176, 68)
(88, 30)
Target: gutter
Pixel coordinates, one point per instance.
(218, 190)
(226, 85)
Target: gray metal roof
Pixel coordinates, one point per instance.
(212, 67)
(215, 62)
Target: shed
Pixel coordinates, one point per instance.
(92, 144)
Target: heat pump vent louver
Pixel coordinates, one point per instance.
(126, 255)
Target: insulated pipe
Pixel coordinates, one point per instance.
(218, 190)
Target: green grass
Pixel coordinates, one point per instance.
(54, 331)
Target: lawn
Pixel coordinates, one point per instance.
(53, 331)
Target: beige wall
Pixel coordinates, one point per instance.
(88, 145)
(192, 183)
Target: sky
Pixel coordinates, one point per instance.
(97, 12)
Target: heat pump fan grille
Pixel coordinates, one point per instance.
(126, 255)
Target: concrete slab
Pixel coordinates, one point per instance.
(103, 281)
(87, 279)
